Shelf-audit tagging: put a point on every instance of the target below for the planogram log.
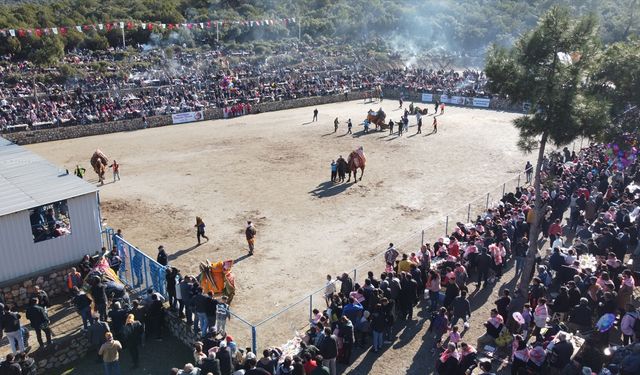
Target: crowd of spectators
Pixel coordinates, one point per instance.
(580, 300)
(192, 81)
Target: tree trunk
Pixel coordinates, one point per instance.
(534, 231)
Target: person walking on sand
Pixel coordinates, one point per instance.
(400, 128)
(335, 125)
(442, 108)
(250, 233)
(419, 118)
(391, 126)
(435, 126)
(315, 115)
(116, 170)
(349, 127)
(334, 170)
(200, 229)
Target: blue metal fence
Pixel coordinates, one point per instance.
(138, 270)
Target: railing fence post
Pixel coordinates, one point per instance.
(518, 179)
(310, 306)
(503, 188)
(422, 240)
(254, 339)
(446, 225)
(486, 208)
(144, 269)
(469, 213)
(355, 275)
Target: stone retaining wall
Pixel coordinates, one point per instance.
(18, 292)
(179, 329)
(65, 351)
(55, 134)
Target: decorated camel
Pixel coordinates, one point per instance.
(377, 118)
(355, 161)
(99, 162)
(218, 278)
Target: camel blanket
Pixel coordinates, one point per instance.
(358, 157)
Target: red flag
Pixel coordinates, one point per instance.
(189, 26)
(21, 33)
(170, 26)
(208, 24)
(109, 26)
(150, 26)
(63, 30)
(129, 25)
(38, 32)
(86, 27)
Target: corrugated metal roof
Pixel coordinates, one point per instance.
(28, 180)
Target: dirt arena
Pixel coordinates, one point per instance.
(274, 169)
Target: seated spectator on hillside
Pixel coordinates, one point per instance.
(493, 328)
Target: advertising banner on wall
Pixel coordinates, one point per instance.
(427, 97)
(181, 118)
(457, 100)
(481, 102)
(444, 98)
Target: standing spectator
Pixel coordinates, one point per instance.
(484, 262)
(391, 254)
(212, 309)
(155, 316)
(347, 335)
(42, 296)
(171, 276)
(315, 118)
(250, 234)
(118, 315)
(110, 352)
(334, 171)
(10, 322)
(82, 303)
(329, 290)
(629, 320)
(97, 334)
(335, 125)
(162, 256)
(39, 320)
(328, 347)
(116, 170)
(439, 326)
(346, 286)
(114, 260)
(540, 315)
(342, 168)
(224, 356)
(132, 336)
(200, 229)
(349, 126)
(502, 304)
(222, 315)
(99, 295)
(461, 308)
(435, 126)
(201, 304)
(186, 292)
(433, 285)
(528, 170)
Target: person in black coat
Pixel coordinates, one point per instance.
(155, 315)
(132, 336)
(484, 262)
(210, 365)
(580, 317)
(39, 321)
(561, 352)
(408, 296)
(224, 357)
(346, 333)
(99, 295)
(162, 258)
(27, 364)
(171, 275)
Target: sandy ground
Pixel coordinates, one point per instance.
(274, 169)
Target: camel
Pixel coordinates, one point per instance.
(99, 162)
(377, 118)
(355, 161)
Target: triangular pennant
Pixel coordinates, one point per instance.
(12, 32)
(79, 28)
(54, 30)
(293, 20)
(163, 25)
(143, 25)
(202, 25)
(122, 25)
(100, 26)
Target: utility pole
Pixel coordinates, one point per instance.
(299, 29)
(124, 44)
(217, 32)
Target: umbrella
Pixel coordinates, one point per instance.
(606, 322)
(518, 317)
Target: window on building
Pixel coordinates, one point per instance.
(50, 221)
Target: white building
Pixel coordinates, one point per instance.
(48, 218)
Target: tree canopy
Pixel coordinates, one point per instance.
(465, 28)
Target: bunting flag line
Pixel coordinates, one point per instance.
(151, 26)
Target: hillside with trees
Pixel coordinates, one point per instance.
(465, 29)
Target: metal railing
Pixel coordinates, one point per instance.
(141, 272)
